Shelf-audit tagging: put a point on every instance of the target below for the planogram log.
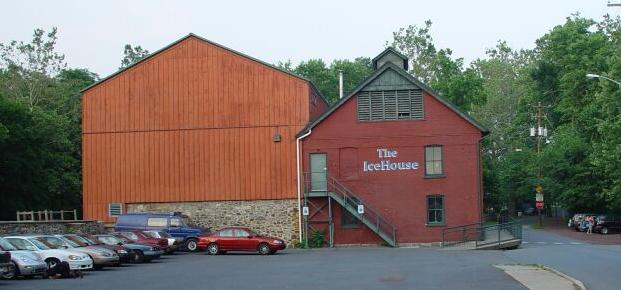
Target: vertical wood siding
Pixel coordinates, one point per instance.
(192, 123)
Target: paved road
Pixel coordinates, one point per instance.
(351, 268)
(597, 266)
(355, 268)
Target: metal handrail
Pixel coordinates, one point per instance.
(350, 199)
(476, 233)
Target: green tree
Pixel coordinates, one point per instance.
(28, 67)
(326, 78)
(437, 68)
(40, 135)
(132, 54)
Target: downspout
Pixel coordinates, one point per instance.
(480, 179)
(297, 152)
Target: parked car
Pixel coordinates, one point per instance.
(101, 257)
(76, 260)
(240, 239)
(141, 252)
(530, 211)
(605, 224)
(142, 238)
(173, 244)
(6, 266)
(25, 263)
(122, 252)
(577, 221)
(176, 224)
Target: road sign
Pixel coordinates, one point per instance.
(539, 204)
(305, 211)
(538, 189)
(360, 209)
(539, 197)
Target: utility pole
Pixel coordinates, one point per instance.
(540, 132)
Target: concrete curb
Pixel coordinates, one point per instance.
(572, 279)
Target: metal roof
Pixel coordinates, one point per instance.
(409, 77)
(214, 44)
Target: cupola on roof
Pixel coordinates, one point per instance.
(390, 55)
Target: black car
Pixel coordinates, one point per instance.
(6, 266)
(607, 223)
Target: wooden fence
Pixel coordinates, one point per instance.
(47, 215)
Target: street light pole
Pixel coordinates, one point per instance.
(596, 76)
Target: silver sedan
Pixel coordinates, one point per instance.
(27, 263)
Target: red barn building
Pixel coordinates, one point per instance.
(408, 158)
(230, 140)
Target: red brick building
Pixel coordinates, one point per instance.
(410, 158)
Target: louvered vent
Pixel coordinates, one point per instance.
(390, 105)
(115, 209)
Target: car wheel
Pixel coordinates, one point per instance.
(52, 262)
(264, 249)
(604, 231)
(12, 274)
(138, 256)
(191, 245)
(213, 249)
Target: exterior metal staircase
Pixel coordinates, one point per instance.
(338, 192)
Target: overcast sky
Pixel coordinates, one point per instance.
(92, 33)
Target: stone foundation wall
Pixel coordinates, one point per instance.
(52, 227)
(277, 218)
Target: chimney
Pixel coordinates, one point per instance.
(340, 84)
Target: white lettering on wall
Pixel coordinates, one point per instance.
(386, 165)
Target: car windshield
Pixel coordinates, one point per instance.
(141, 235)
(124, 239)
(53, 243)
(22, 244)
(188, 222)
(110, 240)
(6, 245)
(151, 234)
(39, 244)
(91, 240)
(77, 240)
(69, 242)
(130, 235)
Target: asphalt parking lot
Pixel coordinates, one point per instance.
(341, 268)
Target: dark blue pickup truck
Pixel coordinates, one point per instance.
(175, 224)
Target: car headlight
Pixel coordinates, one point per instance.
(121, 251)
(277, 241)
(75, 258)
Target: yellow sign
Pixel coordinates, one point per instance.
(539, 189)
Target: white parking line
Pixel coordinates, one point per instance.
(542, 243)
(558, 243)
(576, 243)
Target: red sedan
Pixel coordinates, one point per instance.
(239, 239)
(141, 238)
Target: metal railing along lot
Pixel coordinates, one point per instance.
(483, 236)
